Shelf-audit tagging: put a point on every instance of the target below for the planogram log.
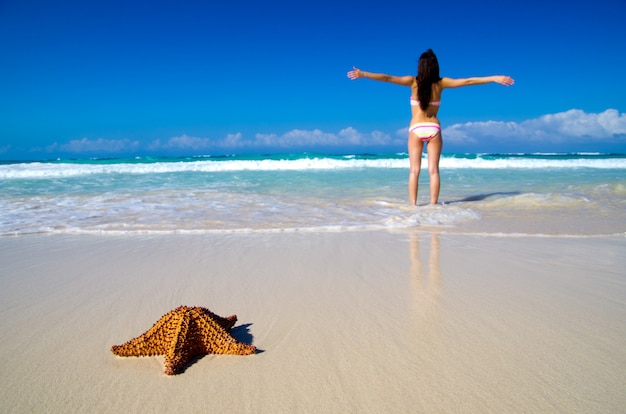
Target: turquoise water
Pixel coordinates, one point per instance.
(311, 192)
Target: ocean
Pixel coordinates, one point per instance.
(582, 194)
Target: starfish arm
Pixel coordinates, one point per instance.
(152, 342)
(183, 345)
(216, 340)
(225, 322)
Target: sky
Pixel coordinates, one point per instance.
(127, 78)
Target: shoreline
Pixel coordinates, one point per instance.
(482, 228)
(357, 321)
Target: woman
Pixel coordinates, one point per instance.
(426, 89)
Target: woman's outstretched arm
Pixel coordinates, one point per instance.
(357, 73)
(457, 83)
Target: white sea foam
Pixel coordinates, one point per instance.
(432, 216)
(536, 201)
(45, 170)
(165, 212)
(38, 170)
(531, 163)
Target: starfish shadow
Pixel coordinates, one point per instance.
(242, 334)
(192, 361)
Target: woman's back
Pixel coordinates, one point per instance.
(430, 114)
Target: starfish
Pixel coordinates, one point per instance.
(184, 333)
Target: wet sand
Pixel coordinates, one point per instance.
(347, 322)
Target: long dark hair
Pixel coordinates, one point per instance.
(427, 74)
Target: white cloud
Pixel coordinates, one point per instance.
(573, 124)
(296, 138)
(577, 123)
(183, 142)
(303, 138)
(99, 145)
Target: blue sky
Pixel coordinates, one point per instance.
(124, 78)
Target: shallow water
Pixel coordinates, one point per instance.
(561, 193)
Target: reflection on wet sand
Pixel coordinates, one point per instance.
(426, 285)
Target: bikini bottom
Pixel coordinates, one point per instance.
(425, 131)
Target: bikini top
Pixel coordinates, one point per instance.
(415, 102)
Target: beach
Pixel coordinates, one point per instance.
(509, 296)
(419, 320)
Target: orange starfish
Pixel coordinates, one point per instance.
(184, 333)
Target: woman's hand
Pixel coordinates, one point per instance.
(355, 73)
(504, 80)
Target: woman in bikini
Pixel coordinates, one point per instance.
(426, 89)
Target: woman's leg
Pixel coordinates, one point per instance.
(434, 153)
(416, 146)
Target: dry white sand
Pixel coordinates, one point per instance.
(348, 322)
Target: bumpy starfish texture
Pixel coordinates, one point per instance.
(184, 333)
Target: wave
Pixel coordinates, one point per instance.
(302, 162)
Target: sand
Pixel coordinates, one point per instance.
(347, 322)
